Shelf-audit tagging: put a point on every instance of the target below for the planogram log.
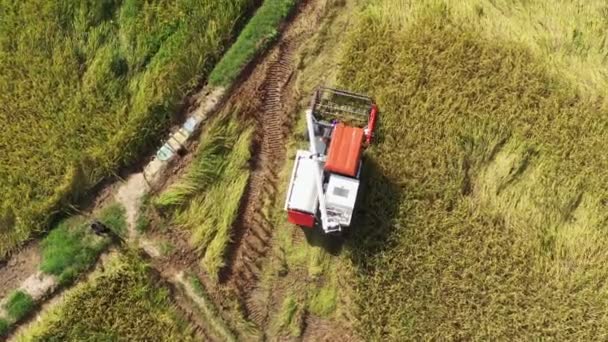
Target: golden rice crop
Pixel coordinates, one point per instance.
(85, 87)
(485, 203)
(120, 303)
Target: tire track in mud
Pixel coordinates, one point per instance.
(271, 99)
(253, 229)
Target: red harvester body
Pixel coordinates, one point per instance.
(325, 179)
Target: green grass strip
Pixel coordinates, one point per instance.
(18, 306)
(72, 247)
(261, 30)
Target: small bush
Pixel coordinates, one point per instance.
(197, 286)
(323, 303)
(19, 305)
(142, 223)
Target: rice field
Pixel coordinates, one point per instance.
(485, 207)
(121, 303)
(485, 202)
(87, 86)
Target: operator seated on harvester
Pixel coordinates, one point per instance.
(325, 178)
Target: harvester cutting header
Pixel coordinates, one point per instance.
(325, 178)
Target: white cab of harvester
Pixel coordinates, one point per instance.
(340, 197)
(303, 195)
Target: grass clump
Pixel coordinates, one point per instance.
(142, 224)
(113, 216)
(484, 211)
(206, 200)
(87, 87)
(289, 316)
(71, 248)
(198, 287)
(262, 29)
(212, 316)
(19, 305)
(143, 221)
(119, 304)
(323, 302)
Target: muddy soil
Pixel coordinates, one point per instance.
(270, 98)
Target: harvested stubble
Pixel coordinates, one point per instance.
(485, 201)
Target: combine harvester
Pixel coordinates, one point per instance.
(325, 178)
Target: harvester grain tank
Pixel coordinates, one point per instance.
(325, 179)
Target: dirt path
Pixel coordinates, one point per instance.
(20, 266)
(270, 98)
(130, 196)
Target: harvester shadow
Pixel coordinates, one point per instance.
(332, 244)
(373, 219)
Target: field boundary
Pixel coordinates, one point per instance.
(261, 31)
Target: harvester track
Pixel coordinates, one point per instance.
(270, 97)
(273, 118)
